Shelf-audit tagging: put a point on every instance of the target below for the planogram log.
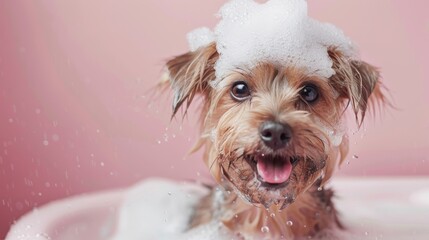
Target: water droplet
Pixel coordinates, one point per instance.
(272, 215)
(169, 193)
(198, 174)
(11, 120)
(102, 164)
(355, 156)
(265, 229)
(319, 189)
(45, 142)
(366, 233)
(47, 184)
(55, 137)
(322, 174)
(236, 216)
(289, 223)
(159, 142)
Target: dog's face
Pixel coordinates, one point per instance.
(272, 131)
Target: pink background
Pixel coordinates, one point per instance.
(77, 106)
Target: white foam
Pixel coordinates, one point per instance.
(161, 210)
(200, 37)
(336, 134)
(278, 31)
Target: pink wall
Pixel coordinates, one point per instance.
(76, 108)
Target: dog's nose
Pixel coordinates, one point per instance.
(275, 135)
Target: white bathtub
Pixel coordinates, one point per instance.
(372, 208)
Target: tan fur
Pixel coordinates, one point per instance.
(357, 81)
(231, 140)
(189, 75)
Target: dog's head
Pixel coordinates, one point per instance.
(275, 85)
(273, 131)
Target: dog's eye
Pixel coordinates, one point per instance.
(240, 91)
(309, 93)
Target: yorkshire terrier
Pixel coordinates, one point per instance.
(273, 136)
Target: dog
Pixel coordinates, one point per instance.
(272, 130)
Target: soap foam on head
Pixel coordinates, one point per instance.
(200, 37)
(278, 32)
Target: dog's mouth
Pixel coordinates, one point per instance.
(273, 170)
(270, 178)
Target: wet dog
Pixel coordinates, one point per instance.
(273, 135)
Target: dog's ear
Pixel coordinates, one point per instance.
(357, 81)
(190, 74)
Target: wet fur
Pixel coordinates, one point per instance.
(230, 138)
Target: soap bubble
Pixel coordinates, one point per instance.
(265, 229)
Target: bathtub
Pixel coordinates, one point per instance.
(371, 208)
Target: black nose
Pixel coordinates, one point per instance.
(275, 135)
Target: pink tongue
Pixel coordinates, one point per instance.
(272, 171)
